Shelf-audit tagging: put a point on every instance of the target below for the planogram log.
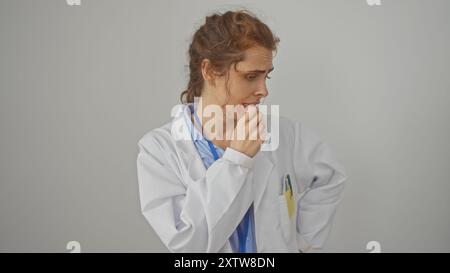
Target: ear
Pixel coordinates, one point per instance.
(207, 71)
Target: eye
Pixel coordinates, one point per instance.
(253, 77)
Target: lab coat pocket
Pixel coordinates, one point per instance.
(288, 216)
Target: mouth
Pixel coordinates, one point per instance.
(250, 103)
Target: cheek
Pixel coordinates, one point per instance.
(242, 91)
(221, 91)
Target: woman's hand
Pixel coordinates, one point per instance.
(248, 135)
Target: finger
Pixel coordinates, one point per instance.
(262, 131)
(253, 133)
(252, 110)
(260, 117)
(253, 121)
(253, 128)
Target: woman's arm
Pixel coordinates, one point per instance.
(201, 216)
(321, 179)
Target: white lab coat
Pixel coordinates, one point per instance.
(196, 210)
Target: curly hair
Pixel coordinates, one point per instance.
(222, 39)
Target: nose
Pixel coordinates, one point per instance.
(263, 92)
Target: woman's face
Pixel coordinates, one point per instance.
(247, 80)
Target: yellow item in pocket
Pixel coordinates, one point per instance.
(289, 195)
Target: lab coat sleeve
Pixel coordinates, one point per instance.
(199, 216)
(321, 181)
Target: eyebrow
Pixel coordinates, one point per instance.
(259, 71)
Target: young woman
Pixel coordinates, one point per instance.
(217, 192)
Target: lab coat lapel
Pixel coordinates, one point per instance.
(262, 170)
(191, 162)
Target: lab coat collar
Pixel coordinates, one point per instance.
(194, 166)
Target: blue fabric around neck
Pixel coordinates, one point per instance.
(243, 238)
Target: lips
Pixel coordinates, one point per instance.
(250, 103)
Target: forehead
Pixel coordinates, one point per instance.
(256, 58)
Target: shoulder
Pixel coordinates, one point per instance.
(157, 138)
(290, 130)
(294, 135)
